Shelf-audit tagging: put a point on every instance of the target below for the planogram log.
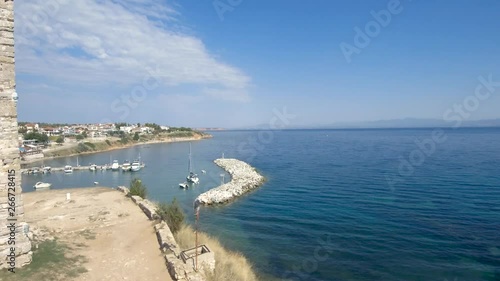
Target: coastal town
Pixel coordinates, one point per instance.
(39, 140)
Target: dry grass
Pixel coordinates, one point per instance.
(229, 266)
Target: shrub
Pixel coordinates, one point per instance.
(89, 144)
(172, 214)
(108, 142)
(137, 188)
(60, 140)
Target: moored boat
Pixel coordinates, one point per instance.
(136, 166)
(192, 177)
(41, 185)
(126, 166)
(68, 169)
(115, 166)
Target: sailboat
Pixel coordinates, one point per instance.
(192, 177)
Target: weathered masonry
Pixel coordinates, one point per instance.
(9, 150)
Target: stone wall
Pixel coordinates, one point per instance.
(9, 147)
(177, 268)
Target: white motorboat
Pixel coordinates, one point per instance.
(184, 185)
(136, 166)
(41, 185)
(126, 166)
(93, 167)
(68, 169)
(115, 166)
(203, 171)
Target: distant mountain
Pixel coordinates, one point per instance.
(413, 123)
(386, 124)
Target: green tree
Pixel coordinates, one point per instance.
(79, 137)
(138, 188)
(136, 136)
(36, 136)
(60, 140)
(172, 214)
(84, 134)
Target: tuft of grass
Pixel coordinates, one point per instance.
(137, 188)
(53, 260)
(229, 266)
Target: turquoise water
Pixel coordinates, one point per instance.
(338, 204)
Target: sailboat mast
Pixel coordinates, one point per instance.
(189, 164)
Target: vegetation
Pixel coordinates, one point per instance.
(137, 188)
(89, 144)
(52, 260)
(36, 136)
(79, 137)
(172, 214)
(136, 136)
(229, 265)
(181, 129)
(60, 140)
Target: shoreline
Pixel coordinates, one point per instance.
(111, 148)
(244, 178)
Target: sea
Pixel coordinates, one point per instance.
(347, 204)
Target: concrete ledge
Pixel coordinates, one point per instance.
(149, 209)
(123, 189)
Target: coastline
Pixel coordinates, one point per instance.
(56, 154)
(244, 178)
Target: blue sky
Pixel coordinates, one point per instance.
(181, 63)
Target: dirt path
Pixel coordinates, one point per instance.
(113, 235)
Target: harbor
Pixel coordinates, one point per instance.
(92, 168)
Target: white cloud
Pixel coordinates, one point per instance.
(102, 42)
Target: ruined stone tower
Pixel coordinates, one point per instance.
(9, 150)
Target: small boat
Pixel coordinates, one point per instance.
(93, 167)
(35, 170)
(126, 166)
(41, 185)
(184, 185)
(47, 169)
(68, 169)
(136, 166)
(203, 171)
(96, 183)
(192, 177)
(115, 166)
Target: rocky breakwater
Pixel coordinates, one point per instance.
(244, 178)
